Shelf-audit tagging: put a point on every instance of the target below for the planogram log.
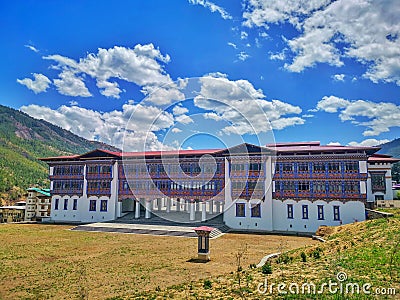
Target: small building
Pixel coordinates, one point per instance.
(13, 213)
(38, 204)
(379, 181)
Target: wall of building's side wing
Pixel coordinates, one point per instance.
(82, 213)
(352, 211)
(248, 222)
(388, 193)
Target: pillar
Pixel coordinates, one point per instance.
(178, 204)
(159, 204)
(168, 204)
(211, 208)
(137, 209)
(218, 207)
(148, 209)
(192, 216)
(187, 208)
(203, 211)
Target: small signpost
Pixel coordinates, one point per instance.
(203, 248)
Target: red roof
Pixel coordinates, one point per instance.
(291, 144)
(381, 158)
(171, 152)
(204, 228)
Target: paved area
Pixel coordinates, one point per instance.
(150, 229)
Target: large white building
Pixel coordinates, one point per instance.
(287, 187)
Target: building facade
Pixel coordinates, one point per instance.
(13, 213)
(287, 187)
(38, 204)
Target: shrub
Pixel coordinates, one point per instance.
(207, 284)
(303, 257)
(284, 258)
(266, 268)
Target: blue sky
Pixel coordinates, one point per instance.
(137, 74)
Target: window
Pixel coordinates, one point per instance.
(92, 206)
(237, 167)
(336, 213)
(56, 203)
(290, 211)
(65, 204)
(351, 166)
(335, 187)
(256, 211)
(287, 167)
(378, 182)
(75, 204)
(304, 186)
(289, 186)
(240, 210)
(303, 167)
(304, 210)
(255, 167)
(333, 167)
(319, 187)
(351, 187)
(319, 167)
(320, 209)
(379, 197)
(103, 205)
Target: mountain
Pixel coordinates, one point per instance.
(23, 140)
(391, 148)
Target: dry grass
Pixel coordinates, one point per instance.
(49, 261)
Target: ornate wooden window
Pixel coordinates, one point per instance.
(240, 209)
(290, 211)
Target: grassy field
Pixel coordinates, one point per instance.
(366, 253)
(52, 262)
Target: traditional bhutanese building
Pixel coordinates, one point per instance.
(284, 187)
(12, 213)
(38, 204)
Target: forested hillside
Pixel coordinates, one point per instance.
(23, 140)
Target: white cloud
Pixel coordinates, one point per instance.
(73, 103)
(243, 56)
(376, 117)
(109, 127)
(244, 107)
(184, 119)
(369, 142)
(232, 45)
(70, 85)
(330, 31)
(243, 35)
(333, 144)
(30, 47)
(338, 77)
(212, 7)
(176, 130)
(307, 116)
(39, 84)
(179, 110)
(278, 56)
(141, 65)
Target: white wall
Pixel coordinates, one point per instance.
(381, 167)
(350, 212)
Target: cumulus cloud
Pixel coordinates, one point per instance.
(376, 117)
(369, 142)
(244, 107)
(112, 127)
(71, 85)
(39, 84)
(179, 110)
(330, 31)
(176, 130)
(212, 7)
(243, 35)
(333, 144)
(338, 77)
(142, 65)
